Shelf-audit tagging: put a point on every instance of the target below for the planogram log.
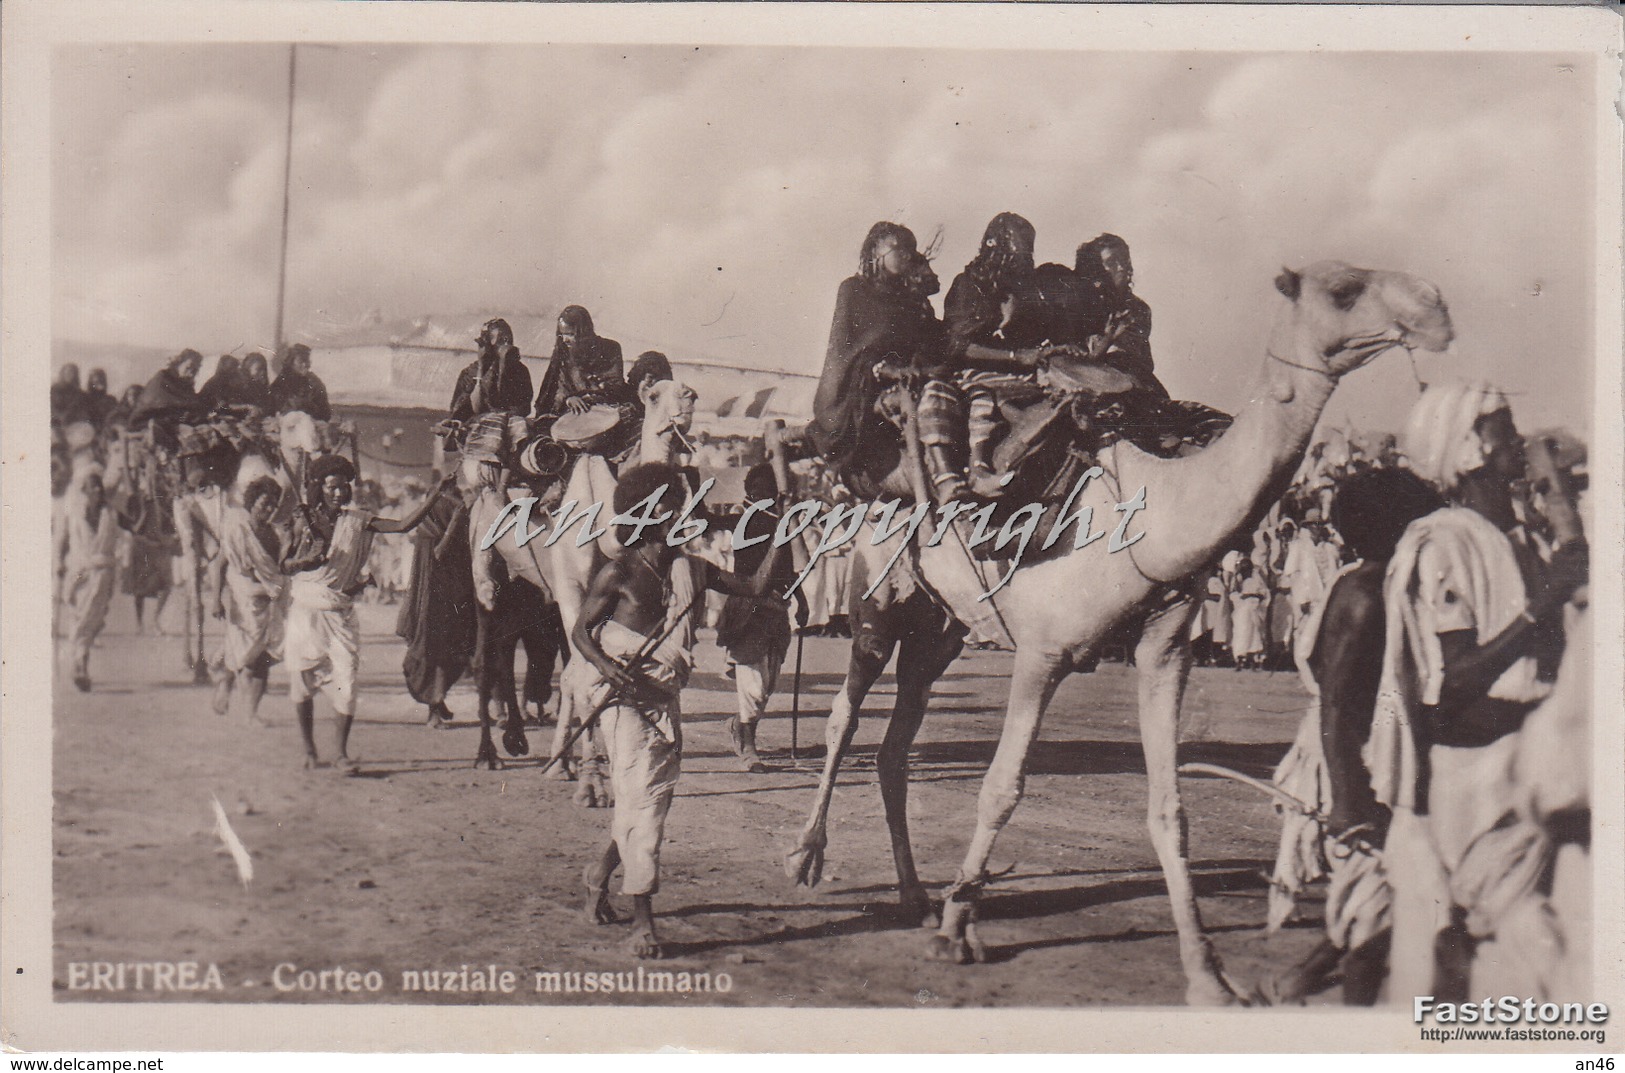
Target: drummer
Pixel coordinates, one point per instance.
(585, 371)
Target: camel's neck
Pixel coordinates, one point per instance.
(657, 445)
(1195, 506)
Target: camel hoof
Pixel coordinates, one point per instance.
(955, 951)
(918, 910)
(804, 865)
(563, 771)
(514, 740)
(488, 759)
(964, 949)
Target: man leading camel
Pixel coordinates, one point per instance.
(327, 560)
(1345, 642)
(1474, 631)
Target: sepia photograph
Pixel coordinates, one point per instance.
(697, 520)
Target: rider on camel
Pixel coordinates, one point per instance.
(883, 329)
(495, 380)
(998, 334)
(1121, 334)
(585, 370)
(299, 389)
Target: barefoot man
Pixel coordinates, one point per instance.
(327, 559)
(643, 603)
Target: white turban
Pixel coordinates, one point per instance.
(1441, 443)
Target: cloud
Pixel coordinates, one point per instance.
(709, 201)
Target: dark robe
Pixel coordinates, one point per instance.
(246, 392)
(67, 404)
(153, 547)
(873, 323)
(167, 398)
(1132, 350)
(234, 389)
(593, 372)
(292, 392)
(438, 619)
(96, 407)
(512, 392)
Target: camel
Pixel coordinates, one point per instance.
(563, 571)
(203, 489)
(1336, 319)
(525, 568)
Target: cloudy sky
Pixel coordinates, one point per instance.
(709, 200)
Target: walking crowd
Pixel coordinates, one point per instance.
(1423, 586)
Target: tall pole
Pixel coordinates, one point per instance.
(287, 172)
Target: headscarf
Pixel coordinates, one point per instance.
(1441, 439)
(490, 330)
(1006, 249)
(1087, 262)
(578, 318)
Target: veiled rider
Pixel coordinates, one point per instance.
(884, 329)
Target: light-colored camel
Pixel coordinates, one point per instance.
(563, 571)
(668, 412)
(1336, 319)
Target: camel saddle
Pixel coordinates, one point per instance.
(1077, 408)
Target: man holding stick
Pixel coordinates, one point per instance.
(636, 628)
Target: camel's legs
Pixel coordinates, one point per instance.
(513, 724)
(484, 643)
(570, 715)
(1164, 661)
(805, 863)
(920, 662)
(1033, 680)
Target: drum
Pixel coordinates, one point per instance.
(591, 431)
(541, 457)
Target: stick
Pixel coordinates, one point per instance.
(795, 698)
(638, 659)
(1269, 788)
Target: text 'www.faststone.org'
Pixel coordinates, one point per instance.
(1463, 1033)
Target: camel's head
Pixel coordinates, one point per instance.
(668, 406)
(1341, 317)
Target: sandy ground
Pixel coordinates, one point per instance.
(423, 863)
